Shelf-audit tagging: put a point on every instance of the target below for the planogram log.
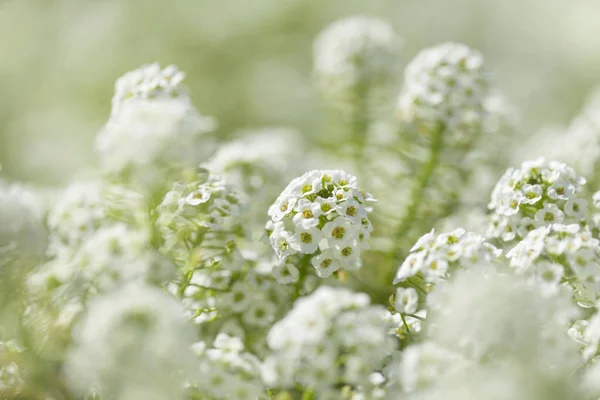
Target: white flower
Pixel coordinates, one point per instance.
(576, 208)
(411, 265)
(306, 240)
(285, 273)
(406, 301)
(325, 264)
(549, 214)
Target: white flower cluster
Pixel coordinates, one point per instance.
(561, 255)
(434, 257)
(354, 51)
(149, 82)
(199, 221)
(84, 207)
(323, 214)
(539, 193)
(242, 300)
(22, 233)
(259, 163)
(110, 257)
(153, 124)
(256, 158)
(330, 337)
(11, 374)
(445, 85)
(227, 371)
(479, 324)
(132, 341)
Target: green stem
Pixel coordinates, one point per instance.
(410, 215)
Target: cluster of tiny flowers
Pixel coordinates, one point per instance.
(486, 320)
(149, 82)
(539, 193)
(257, 158)
(110, 257)
(354, 51)
(85, 207)
(21, 232)
(153, 123)
(11, 379)
(557, 254)
(445, 85)
(405, 318)
(330, 337)
(199, 221)
(433, 257)
(259, 163)
(134, 340)
(243, 300)
(227, 371)
(419, 366)
(322, 214)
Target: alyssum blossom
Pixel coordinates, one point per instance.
(322, 214)
(539, 193)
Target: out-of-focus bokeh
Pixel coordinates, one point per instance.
(248, 62)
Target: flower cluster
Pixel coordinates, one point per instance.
(153, 124)
(445, 85)
(434, 257)
(132, 344)
(480, 324)
(22, 233)
(242, 300)
(86, 206)
(149, 82)
(539, 193)
(561, 255)
(330, 336)
(322, 214)
(227, 371)
(11, 379)
(199, 221)
(354, 52)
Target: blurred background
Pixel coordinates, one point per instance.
(248, 62)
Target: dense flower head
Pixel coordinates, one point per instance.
(134, 339)
(354, 51)
(112, 256)
(484, 314)
(153, 125)
(333, 335)
(199, 220)
(227, 371)
(434, 257)
(561, 255)
(22, 233)
(240, 298)
(539, 193)
(446, 84)
(323, 214)
(11, 373)
(86, 206)
(148, 82)
(486, 323)
(257, 158)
